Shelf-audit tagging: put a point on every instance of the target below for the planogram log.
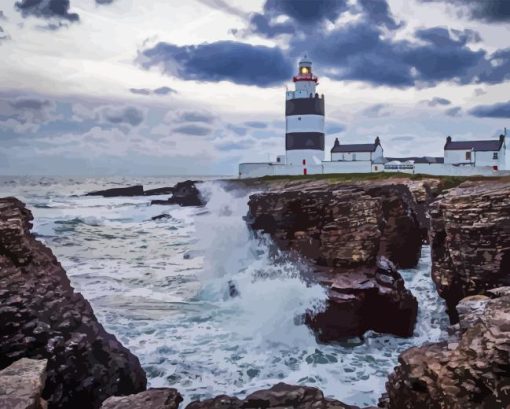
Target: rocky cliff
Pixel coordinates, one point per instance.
(347, 231)
(43, 318)
(470, 239)
(469, 371)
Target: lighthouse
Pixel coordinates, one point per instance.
(304, 119)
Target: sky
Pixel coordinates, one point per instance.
(167, 87)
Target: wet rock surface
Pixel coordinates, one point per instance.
(469, 371)
(183, 194)
(43, 318)
(22, 383)
(136, 190)
(352, 234)
(157, 398)
(470, 240)
(279, 396)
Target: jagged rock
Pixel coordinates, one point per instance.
(469, 371)
(159, 191)
(136, 190)
(163, 216)
(359, 301)
(343, 229)
(184, 194)
(157, 398)
(42, 317)
(470, 240)
(280, 396)
(22, 383)
(340, 225)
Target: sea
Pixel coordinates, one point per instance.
(163, 287)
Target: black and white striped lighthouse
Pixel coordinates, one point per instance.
(304, 117)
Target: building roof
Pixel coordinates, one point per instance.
(357, 147)
(480, 146)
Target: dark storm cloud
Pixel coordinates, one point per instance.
(191, 129)
(486, 10)
(157, 91)
(379, 13)
(500, 110)
(220, 61)
(30, 104)
(128, 115)
(48, 9)
(437, 101)
(306, 12)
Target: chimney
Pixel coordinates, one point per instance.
(448, 139)
(377, 141)
(337, 142)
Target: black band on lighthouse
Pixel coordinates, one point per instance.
(304, 106)
(304, 140)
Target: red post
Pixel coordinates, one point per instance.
(304, 171)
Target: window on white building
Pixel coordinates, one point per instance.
(468, 155)
(353, 156)
(495, 156)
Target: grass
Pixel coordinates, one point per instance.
(447, 182)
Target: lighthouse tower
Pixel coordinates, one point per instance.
(304, 119)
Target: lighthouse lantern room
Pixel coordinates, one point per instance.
(304, 119)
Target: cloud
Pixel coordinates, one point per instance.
(4, 35)
(334, 128)
(455, 111)
(156, 91)
(377, 110)
(194, 116)
(494, 11)
(192, 129)
(379, 13)
(128, 115)
(104, 1)
(256, 124)
(437, 101)
(237, 62)
(48, 9)
(26, 114)
(500, 110)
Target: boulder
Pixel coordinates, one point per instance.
(184, 194)
(157, 398)
(44, 318)
(469, 371)
(22, 383)
(136, 190)
(351, 234)
(359, 301)
(280, 396)
(470, 241)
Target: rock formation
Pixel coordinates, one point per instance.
(280, 396)
(157, 398)
(22, 383)
(136, 190)
(469, 371)
(344, 229)
(470, 240)
(43, 318)
(184, 194)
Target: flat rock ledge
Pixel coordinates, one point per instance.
(280, 396)
(470, 240)
(42, 317)
(469, 371)
(352, 235)
(22, 383)
(157, 398)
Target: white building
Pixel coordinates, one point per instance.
(359, 151)
(304, 145)
(476, 153)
